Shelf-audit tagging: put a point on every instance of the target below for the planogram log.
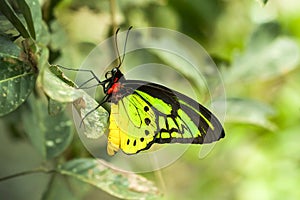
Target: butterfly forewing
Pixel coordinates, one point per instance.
(148, 113)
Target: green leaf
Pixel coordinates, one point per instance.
(57, 87)
(41, 29)
(43, 35)
(16, 83)
(59, 38)
(250, 112)
(50, 135)
(10, 14)
(6, 28)
(55, 107)
(17, 79)
(121, 184)
(8, 48)
(95, 123)
(55, 69)
(25, 10)
(263, 35)
(268, 55)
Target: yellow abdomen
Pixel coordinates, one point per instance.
(113, 140)
(127, 137)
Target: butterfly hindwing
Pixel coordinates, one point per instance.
(149, 113)
(132, 125)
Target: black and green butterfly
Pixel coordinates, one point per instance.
(144, 113)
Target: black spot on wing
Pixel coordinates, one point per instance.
(147, 132)
(147, 121)
(146, 108)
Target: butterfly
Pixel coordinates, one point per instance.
(144, 113)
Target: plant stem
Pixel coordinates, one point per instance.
(33, 171)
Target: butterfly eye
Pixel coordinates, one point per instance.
(114, 70)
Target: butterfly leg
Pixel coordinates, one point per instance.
(94, 77)
(100, 104)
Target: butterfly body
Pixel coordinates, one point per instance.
(143, 113)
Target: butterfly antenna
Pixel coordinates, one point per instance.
(117, 48)
(124, 50)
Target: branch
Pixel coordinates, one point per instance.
(33, 171)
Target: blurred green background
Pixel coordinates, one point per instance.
(256, 48)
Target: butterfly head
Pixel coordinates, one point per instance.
(113, 76)
(112, 80)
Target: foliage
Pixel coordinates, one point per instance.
(256, 49)
(26, 78)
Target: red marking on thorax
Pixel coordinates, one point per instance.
(115, 87)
